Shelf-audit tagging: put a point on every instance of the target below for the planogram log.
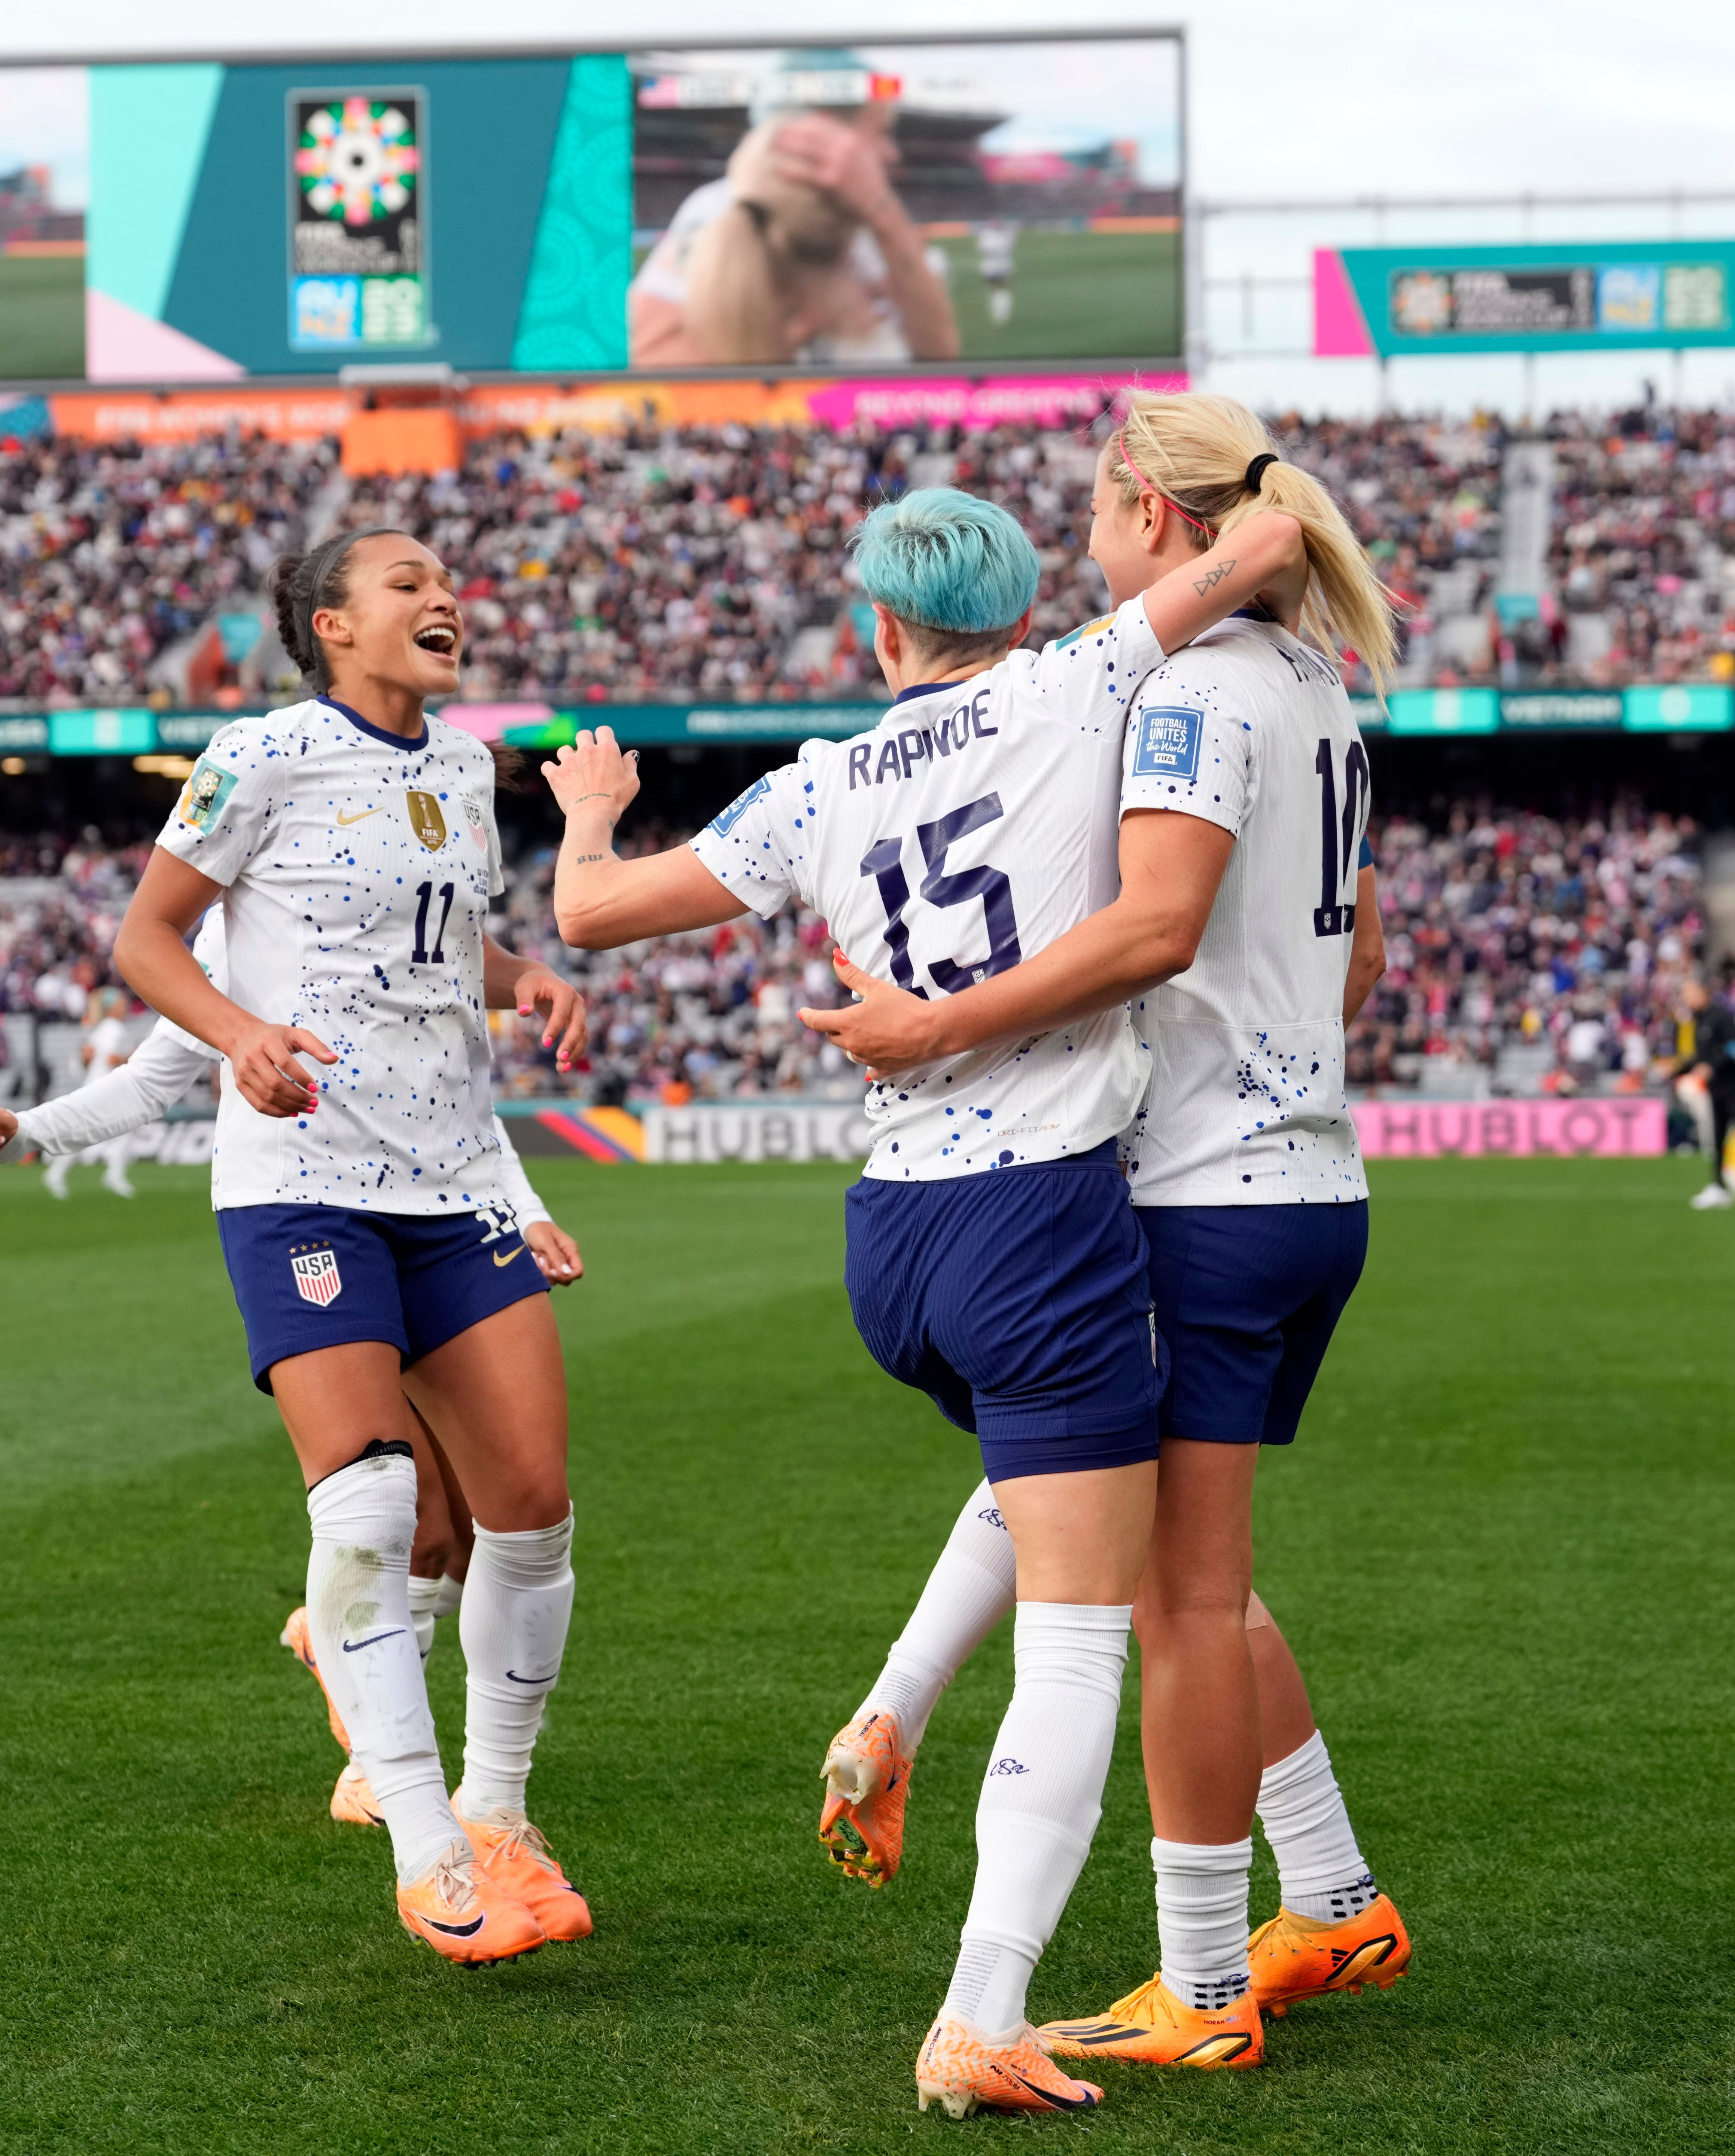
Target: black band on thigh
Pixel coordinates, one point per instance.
(377, 1448)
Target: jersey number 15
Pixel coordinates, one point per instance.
(1335, 915)
(885, 864)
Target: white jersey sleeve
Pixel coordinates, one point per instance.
(1100, 664)
(227, 807)
(1249, 729)
(760, 847)
(155, 1075)
(515, 1184)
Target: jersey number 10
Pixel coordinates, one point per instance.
(1334, 915)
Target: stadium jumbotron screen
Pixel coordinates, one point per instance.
(849, 208)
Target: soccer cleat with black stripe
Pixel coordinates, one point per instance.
(1152, 2027)
(1295, 1957)
(963, 2069)
(457, 1910)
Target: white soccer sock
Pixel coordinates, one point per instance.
(424, 1596)
(968, 1593)
(1041, 1799)
(1202, 1918)
(1320, 1871)
(517, 1605)
(448, 1598)
(364, 1521)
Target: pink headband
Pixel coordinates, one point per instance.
(1126, 459)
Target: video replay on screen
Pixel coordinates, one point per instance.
(858, 208)
(882, 204)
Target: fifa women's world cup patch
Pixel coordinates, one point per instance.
(314, 1266)
(725, 821)
(1167, 742)
(427, 821)
(207, 791)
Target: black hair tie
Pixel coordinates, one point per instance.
(1256, 469)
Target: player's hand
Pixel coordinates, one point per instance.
(555, 1252)
(8, 1126)
(843, 161)
(595, 764)
(267, 1073)
(564, 1027)
(889, 1029)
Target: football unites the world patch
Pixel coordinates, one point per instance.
(1167, 742)
(314, 1267)
(427, 821)
(207, 791)
(724, 824)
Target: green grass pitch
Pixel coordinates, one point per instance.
(42, 317)
(1075, 294)
(1502, 1547)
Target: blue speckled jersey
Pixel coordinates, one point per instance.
(1249, 728)
(358, 866)
(972, 827)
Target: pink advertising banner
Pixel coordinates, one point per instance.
(1426, 1130)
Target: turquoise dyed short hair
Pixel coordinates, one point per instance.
(946, 561)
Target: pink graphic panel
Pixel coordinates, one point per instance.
(121, 345)
(1340, 330)
(1041, 400)
(1426, 1130)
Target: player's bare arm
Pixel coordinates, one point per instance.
(150, 954)
(509, 982)
(1171, 866)
(1367, 947)
(601, 901)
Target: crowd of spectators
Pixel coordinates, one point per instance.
(708, 561)
(109, 556)
(1524, 951)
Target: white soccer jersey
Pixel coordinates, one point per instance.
(968, 830)
(358, 866)
(1248, 728)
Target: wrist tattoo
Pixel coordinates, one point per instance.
(1203, 584)
(580, 859)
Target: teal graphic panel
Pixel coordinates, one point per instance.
(149, 126)
(575, 303)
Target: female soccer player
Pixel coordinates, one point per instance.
(351, 839)
(1246, 1179)
(992, 1260)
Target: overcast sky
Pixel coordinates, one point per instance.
(1335, 97)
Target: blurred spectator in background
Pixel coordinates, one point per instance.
(1710, 1060)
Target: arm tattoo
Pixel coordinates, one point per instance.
(1203, 584)
(579, 859)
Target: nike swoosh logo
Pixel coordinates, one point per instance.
(1051, 2097)
(457, 1931)
(372, 1637)
(360, 816)
(515, 1679)
(509, 1255)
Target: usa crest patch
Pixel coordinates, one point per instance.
(314, 1266)
(1167, 742)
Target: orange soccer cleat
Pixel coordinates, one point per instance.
(462, 1914)
(1295, 1958)
(1153, 2027)
(512, 1856)
(353, 1800)
(298, 1637)
(867, 1786)
(965, 2071)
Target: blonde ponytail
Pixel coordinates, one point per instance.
(1196, 450)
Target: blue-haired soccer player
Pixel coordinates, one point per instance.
(993, 1259)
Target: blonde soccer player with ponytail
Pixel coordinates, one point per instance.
(1240, 752)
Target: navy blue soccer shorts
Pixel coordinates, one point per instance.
(1017, 1300)
(308, 1276)
(1246, 1298)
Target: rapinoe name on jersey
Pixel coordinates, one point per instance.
(900, 753)
(1169, 736)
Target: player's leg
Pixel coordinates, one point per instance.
(867, 1767)
(1717, 1193)
(55, 1175)
(495, 1391)
(433, 1548)
(114, 1155)
(326, 1336)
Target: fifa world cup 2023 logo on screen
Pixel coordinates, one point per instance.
(358, 220)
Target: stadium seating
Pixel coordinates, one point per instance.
(706, 561)
(1525, 954)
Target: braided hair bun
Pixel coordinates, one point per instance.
(301, 584)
